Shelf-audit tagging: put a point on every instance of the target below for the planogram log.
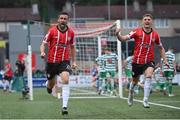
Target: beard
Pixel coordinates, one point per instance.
(62, 27)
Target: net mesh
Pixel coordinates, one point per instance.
(88, 47)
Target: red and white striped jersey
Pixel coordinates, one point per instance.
(144, 45)
(59, 44)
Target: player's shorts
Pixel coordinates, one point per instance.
(169, 74)
(128, 73)
(161, 86)
(110, 74)
(138, 69)
(53, 69)
(102, 75)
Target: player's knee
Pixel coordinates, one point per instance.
(51, 83)
(148, 77)
(65, 81)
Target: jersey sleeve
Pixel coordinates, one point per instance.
(158, 40)
(174, 58)
(132, 34)
(71, 36)
(48, 36)
(72, 41)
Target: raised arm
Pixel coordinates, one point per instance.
(120, 36)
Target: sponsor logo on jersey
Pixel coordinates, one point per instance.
(145, 45)
(61, 45)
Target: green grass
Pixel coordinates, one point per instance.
(45, 106)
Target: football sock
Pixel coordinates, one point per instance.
(112, 84)
(147, 88)
(131, 87)
(65, 94)
(170, 87)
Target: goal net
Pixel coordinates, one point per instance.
(91, 40)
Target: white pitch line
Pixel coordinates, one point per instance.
(163, 105)
(169, 101)
(93, 97)
(83, 94)
(87, 92)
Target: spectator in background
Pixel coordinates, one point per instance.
(19, 83)
(1, 78)
(94, 74)
(8, 75)
(177, 67)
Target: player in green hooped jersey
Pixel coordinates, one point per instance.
(128, 70)
(170, 71)
(110, 60)
(161, 83)
(107, 71)
(102, 74)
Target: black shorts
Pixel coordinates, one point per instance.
(53, 69)
(138, 69)
(8, 78)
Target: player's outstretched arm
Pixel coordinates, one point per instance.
(120, 36)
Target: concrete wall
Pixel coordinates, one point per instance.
(18, 42)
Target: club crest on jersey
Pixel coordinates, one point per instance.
(69, 38)
(145, 45)
(153, 39)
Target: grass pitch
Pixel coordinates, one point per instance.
(45, 106)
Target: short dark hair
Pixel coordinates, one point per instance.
(148, 15)
(64, 13)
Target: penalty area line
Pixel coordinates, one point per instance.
(93, 97)
(157, 104)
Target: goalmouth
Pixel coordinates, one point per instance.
(91, 39)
